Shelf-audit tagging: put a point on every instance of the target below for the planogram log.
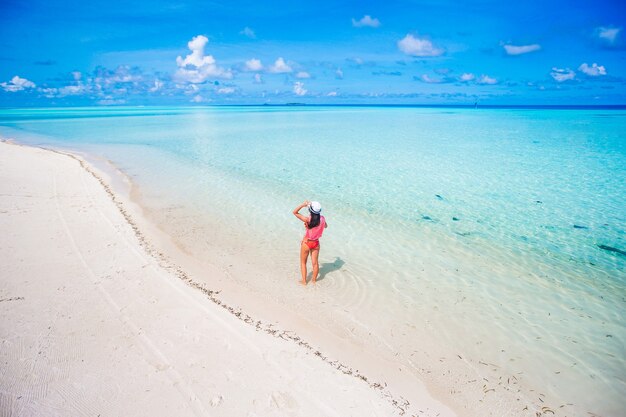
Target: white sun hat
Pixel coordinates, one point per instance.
(315, 207)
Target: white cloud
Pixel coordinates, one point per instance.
(248, 32)
(111, 102)
(106, 78)
(303, 74)
(280, 66)
(107, 85)
(561, 75)
(123, 74)
(413, 46)
(226, 90)
(366, 20)
(17, 84)
(197, 67)
(339, 74)
(254, 65)
(430, 80)
(466, 77)
(196, 58)
(76, 89)
(608, 34)
(593, 71)
(357, 61)
(332, 94)
(299, 89)
(49, 92)
(197, 99)
(158, 84)
(258, 79)
(485, 79)
(73, 90)
(521, 49)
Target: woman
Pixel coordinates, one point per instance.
(314, 225)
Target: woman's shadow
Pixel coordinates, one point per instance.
(329, 267)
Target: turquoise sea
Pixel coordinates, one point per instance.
(493, 235)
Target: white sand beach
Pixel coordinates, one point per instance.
(92, 322)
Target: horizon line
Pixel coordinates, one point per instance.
(298, 104)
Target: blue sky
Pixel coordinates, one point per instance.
(159, 52)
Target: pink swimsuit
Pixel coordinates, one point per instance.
(312, 236)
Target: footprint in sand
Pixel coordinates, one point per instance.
(283, 401)
(217, 400)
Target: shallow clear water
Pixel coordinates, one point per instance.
(486, 233)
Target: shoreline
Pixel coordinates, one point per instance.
(398, 403)
(169, 263)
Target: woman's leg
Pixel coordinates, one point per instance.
(304, 256)
(315, 253)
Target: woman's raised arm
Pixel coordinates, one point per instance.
(297, 210)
